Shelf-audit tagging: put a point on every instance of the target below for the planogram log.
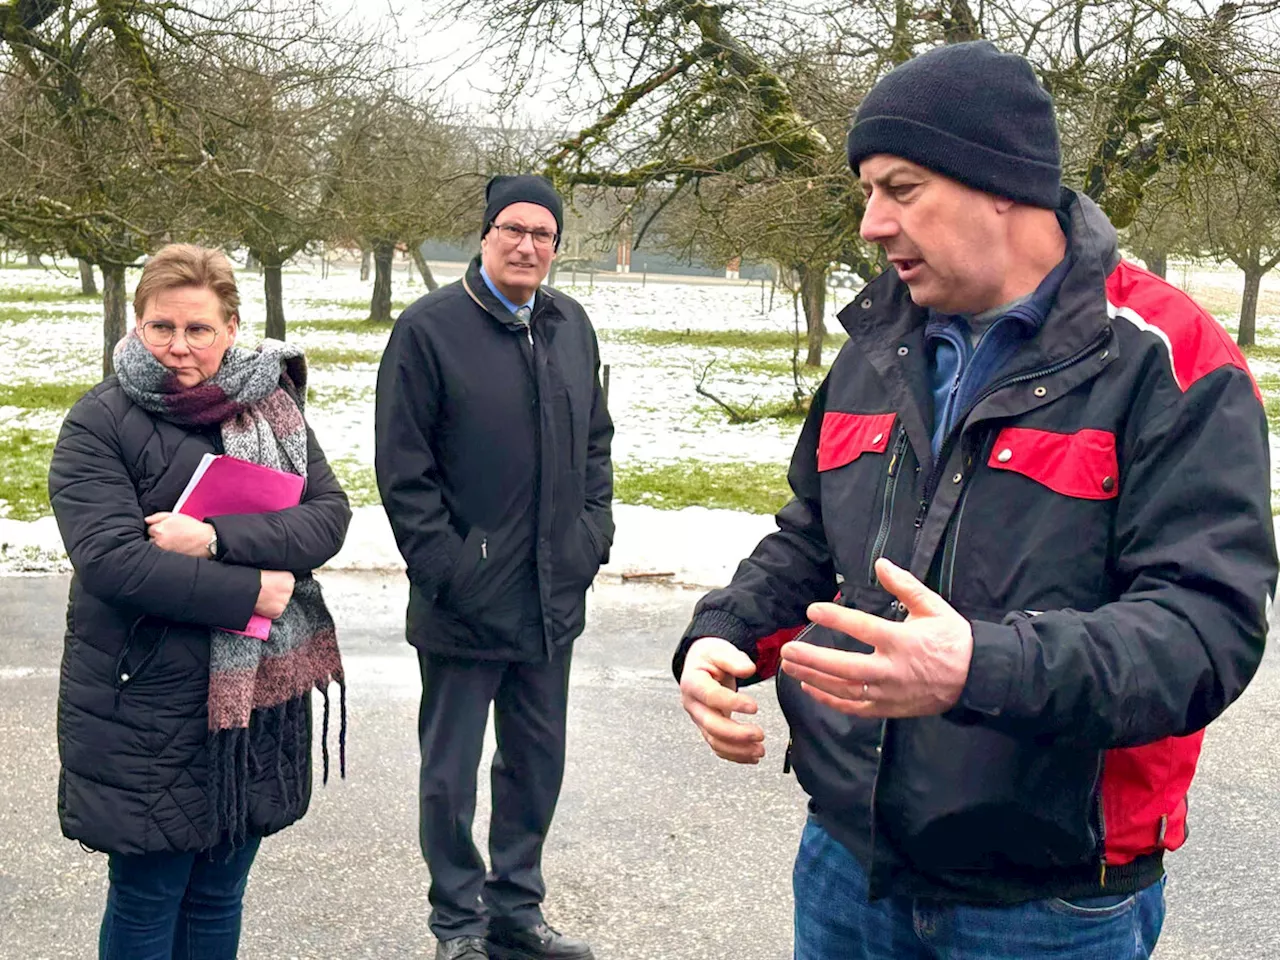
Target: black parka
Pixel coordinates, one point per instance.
(493, 465)
(132, 701)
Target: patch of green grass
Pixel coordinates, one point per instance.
(24, 472)
(340, 356)
(771, 366)
(355, 306)
(1269, 384)
(339, 395)
(784, 410)
(22, 314)
(356, 325)
(756, 488)
(1262, 351)
(753, 487)
(358, 480)
(44, 395)
(724, 339)
(43, 295)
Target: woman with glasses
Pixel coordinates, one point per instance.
(183, 742)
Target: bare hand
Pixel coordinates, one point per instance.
(179, 533)
(918, 668)
(708, 691)
(274, 594)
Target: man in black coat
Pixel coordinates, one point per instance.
(493, 465)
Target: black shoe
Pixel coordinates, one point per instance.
(462, 948)
(539, 942)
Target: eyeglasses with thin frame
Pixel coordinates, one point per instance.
(160, 333)
(514, 234)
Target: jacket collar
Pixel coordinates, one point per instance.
(543, 302)
(882, 316)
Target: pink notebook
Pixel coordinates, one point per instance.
(223, 485)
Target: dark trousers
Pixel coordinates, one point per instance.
(176, 906)
(529, 702)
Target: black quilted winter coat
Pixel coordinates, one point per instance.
(132, 715)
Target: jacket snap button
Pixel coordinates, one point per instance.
(124, 678)
(957, 478)
(1005, 455)
(866, 304)
(1108, 484)
(1040, 391)
(903, 351)
(877, 438)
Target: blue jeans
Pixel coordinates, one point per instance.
(835, 921)
(176, 906)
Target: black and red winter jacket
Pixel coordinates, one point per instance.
(1101, 514)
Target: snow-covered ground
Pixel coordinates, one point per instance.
(658, 416)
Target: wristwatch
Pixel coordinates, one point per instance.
(212, 545)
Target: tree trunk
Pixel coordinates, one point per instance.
(813, 295)
(380, 306)
(1249, 307)
(114, 312)
(251, 261)
(421, 263)
(33, 259)
(1157, 262)
(274, 290)
(364, 264)
(88, 286)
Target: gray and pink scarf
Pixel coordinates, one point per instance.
(256, 398)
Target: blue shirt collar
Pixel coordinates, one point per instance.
(509, 304)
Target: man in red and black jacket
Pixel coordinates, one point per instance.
(1037, 479)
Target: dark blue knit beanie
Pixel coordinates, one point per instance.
(502, 191)
(970, 112)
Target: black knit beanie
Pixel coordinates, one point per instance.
(970, 112)
(501, 192)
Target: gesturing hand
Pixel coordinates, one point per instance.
(179, 533)
(918, 667)
(708, 691)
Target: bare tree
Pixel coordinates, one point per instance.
(104, 140)
(269, 125)
(406, 175)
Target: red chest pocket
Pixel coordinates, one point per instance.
(847, 436)
(1081, 464)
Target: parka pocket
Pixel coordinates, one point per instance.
(1081, 464)
(137, 654)
(472, 559)
(584, 558)
(845, 437)
(959, 797)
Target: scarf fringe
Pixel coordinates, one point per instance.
(342, 730)
(235, 761)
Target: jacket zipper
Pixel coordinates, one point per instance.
(886, 509)
(949, 547)
(484, 548)
(1102, 824)
(935, 475)
(786, 757)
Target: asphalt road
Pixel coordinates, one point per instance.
(659, 850)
